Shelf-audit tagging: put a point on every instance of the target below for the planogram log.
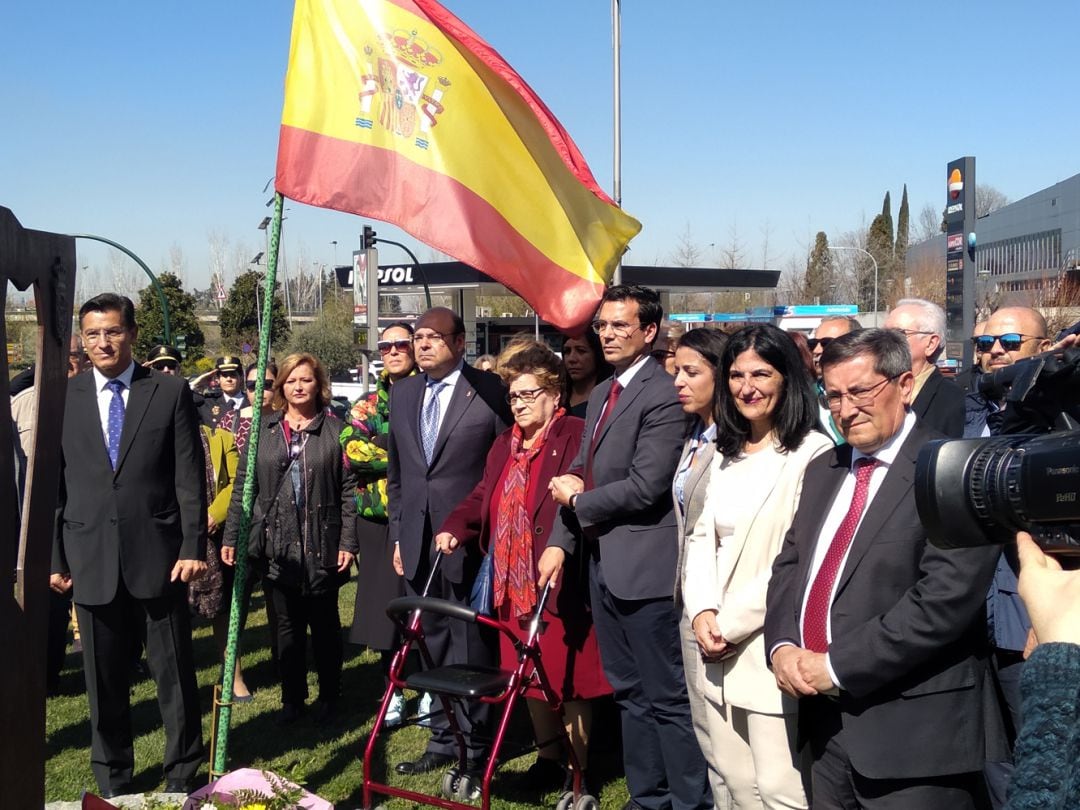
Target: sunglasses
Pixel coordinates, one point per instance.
(169, 364)
(267, 385)
(813, 343)
(401, 345)
(1010, 342)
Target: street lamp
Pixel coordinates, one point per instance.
(871, 255)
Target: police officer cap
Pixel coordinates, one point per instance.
(163, 354)
(228, 363)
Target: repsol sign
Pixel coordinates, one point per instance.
(396, 275)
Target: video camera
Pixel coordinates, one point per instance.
(972, 492)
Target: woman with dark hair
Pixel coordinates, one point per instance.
(765, 416)
(585, 367)
(511, 514)
(697, 369)
(302, 529)
(364, 441)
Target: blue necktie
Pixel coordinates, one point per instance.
(116, 419)
(429, 419)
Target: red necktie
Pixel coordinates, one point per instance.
(816, 618)
(609, 406)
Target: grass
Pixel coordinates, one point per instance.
(326, 759)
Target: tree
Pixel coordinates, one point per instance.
(182, 320)
(686, 254)
(818, 281)
(902, 227)
(988, 200)
(928, 225)
(879, 241)
(330, 338)
(238, 319)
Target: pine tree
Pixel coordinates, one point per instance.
(902, 227)
(238, 318)
(182, 320)
(879, 241)
(819, 272)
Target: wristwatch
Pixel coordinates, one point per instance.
(573, 501)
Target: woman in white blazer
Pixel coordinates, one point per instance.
(697, 364)
(765, 417)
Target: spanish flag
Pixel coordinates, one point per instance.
(397, 110)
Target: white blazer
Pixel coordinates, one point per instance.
(735, 583)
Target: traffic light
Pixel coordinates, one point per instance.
(368, 238)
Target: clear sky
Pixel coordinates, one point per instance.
(155, 124)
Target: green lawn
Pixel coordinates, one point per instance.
(326, 759)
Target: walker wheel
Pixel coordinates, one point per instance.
(566, 801)
(448, 787)
(586, 802)
(468, 788)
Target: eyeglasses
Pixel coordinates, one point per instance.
(401, 345)
(1010, 341)
(858, 397)
(621, 329)
(813, 343)
(433, 337)
(910, 332)
(267, 384)
(526, 395)
(104, 335)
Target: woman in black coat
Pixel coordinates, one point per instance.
(302, 530)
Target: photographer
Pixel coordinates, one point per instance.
(1047, 774)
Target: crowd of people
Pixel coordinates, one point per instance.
(726, 523)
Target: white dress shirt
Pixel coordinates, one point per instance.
(447, 392)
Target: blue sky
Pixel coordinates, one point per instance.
(155, 124)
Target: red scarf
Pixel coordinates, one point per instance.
(513, 567)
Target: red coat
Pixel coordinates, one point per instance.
(568, 647)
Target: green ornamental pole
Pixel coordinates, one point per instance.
(153, 279)
(248, 500)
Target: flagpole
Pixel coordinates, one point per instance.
(616, 49)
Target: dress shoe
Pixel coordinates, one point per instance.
(184, 786)
(113, 792)
(290, 713)
(430, 761)
(546, 774)
(325, 711)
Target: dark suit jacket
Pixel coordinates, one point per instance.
(136, 522)
(908, 627)
(421, 497)
(629, 510)
(940, 406)
(469, 522)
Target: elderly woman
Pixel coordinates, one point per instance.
(365, 443)
(765, 418)
(585, 365)
(510, 513)
(302, 530)
(697, 365)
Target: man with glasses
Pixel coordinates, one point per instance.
(131, 528)
(937, 402)
(1010, 334)
(876, 632)
(165, 359)
(442, 424)
(828, 330)
(619, 491)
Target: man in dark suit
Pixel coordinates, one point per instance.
(938, 403)
(879, 633)
(619, 489)
(442, 424)
(131, 524)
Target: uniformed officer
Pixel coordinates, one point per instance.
(221, 408)
(165, 359)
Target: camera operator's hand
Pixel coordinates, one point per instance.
(1051, 595)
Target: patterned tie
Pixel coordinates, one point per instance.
(429, 419)
(609, 406)
(816, 618)
(116, 419)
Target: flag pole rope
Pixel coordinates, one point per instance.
(220, 738)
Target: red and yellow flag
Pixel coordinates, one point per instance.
(396, 110)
